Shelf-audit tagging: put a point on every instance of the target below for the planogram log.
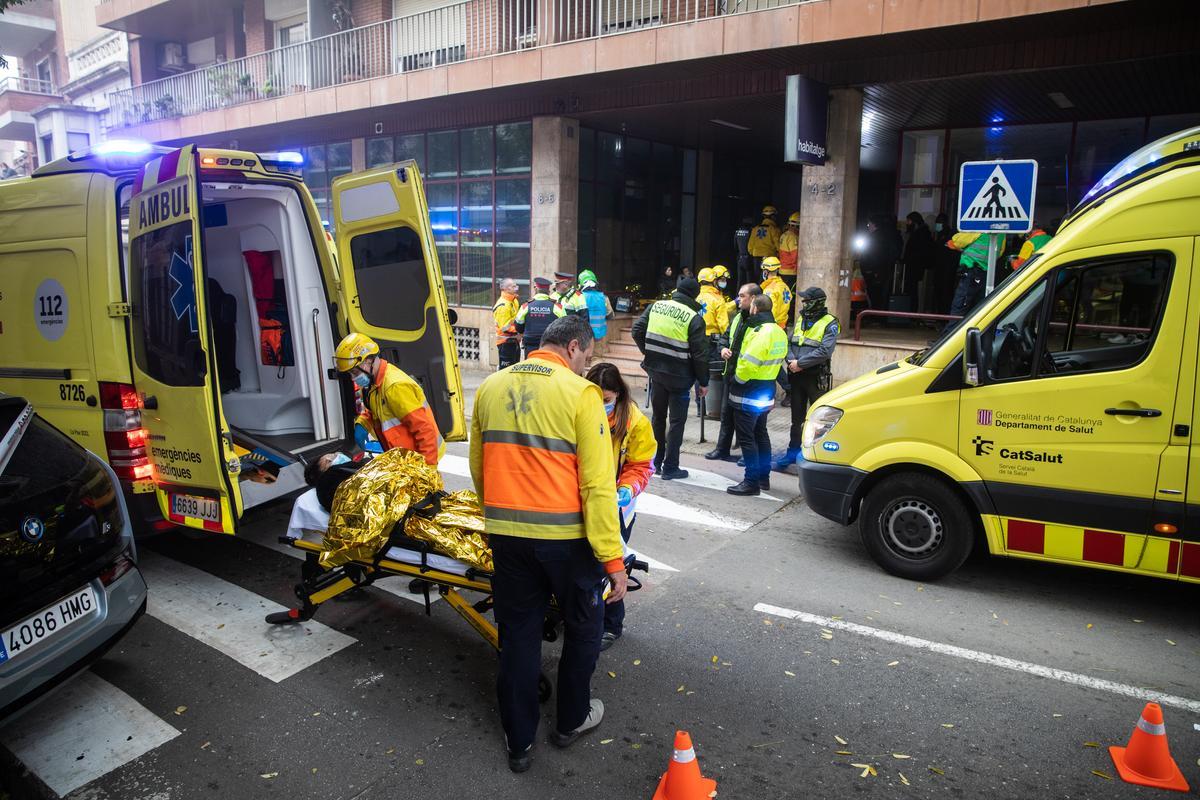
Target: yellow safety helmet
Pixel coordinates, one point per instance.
(770, 211)
(706, 275)
(353, 350)
(794, 219)
(720, 271)
(770, 264)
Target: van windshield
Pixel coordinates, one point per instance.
(919, 358)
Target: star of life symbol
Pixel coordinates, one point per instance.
(519, 399)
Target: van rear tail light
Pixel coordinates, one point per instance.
(124, 436)
(116, 569)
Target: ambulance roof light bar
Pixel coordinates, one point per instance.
(130, 149)
(1174, 145)
(289, 161)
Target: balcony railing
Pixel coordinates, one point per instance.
(458, 32)
(15, 83)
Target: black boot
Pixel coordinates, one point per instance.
(744, 489)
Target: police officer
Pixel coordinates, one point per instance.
(560, 537)
(504, 313)
(746, 272)
(809, 364)
(735, 335)
(752, 394)
(536, 315)
(567, 294)
(670, 335)
(394, 405)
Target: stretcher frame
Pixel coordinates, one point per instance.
(319, 585)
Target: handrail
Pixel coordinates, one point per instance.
(18, 83)
(873, 312)
(459, 32)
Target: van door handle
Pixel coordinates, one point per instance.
(1133, 412)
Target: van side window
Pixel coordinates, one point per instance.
(166, 338)
(390, 275)
(1014, 337)
(1104, 316)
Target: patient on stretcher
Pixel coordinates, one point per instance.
(326, 474)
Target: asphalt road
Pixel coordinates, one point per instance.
(373, 699)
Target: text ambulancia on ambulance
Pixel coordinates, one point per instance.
(1058, 420)
(195, 354)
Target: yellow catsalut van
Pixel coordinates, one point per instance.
(1058, 420)
(176, 310)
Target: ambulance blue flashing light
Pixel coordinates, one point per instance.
(1145, 157)
(284, 158)
(121, 147)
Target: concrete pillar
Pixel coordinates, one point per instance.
(830, 203)
(358, 154)
(554, 219)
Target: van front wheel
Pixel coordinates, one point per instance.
(916, 527)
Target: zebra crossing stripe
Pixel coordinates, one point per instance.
(82, 731)
(230, 619)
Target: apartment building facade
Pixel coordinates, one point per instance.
(630, 135)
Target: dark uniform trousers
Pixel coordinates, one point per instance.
(527, 573)
(509, 352)
(755, 443)
(668, 400)
(725, 434)
(804, 388)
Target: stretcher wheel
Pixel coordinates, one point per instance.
(544, 688)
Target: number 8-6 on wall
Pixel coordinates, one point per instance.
(175, 311)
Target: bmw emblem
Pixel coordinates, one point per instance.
(32, 529)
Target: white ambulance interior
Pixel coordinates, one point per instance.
(273, 338)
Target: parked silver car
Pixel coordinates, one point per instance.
(69, 582)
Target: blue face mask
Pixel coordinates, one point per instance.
(340, 458)
(362, 381)
(608, 407)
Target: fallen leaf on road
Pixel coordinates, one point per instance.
(835, 617)
(714, 659)
(900, 755)
(767, 622)
(903, 779)
(389, 751)
(420, 762)
(606, 741)
(1170, 642)
(680, 689)
(840, 740)
(1100, 774)
(1057, 715)
(179, 711)
(612, 674)
(314, 770)
(766, 744)
(893, 663)
(269, 775)
(897, 603)
(994, 616)
(947, 725)
(789, 673)
(688, 693)
(867, 769)
(1137, 620)
(1091, 744)
(726, 663)
(920, 588)
(205, 745)
(222, 625)
(937, 771)
(636, 745)
(316, 713)
(835, 661)
(843, 752)
(637, 662)
(1089, 626)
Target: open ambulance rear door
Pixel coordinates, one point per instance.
(392, 283)
(174, 364)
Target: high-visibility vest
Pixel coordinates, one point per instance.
(789, 246)
(535, 316)
(504, 313)
(716, 313)
(1035, 242)
(974, 253)
(763, 352)
(542, 456)
(597, 308)
(399, 415)
(667, 329)
(815, 333)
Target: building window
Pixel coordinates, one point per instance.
(77, 141)
(45, 74)
(477, 185)
(323, 163)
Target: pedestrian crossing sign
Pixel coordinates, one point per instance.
(997, 196)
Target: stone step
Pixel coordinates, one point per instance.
(624, 350)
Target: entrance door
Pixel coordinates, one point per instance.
(1075, 415)
(392, 283)
(174, 358)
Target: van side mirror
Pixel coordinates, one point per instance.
(973, 359)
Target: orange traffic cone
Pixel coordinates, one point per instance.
(1147, 760)
(682, 780)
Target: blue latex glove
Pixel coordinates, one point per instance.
(363, 439)
(624, 496)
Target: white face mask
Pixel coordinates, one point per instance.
(340, 458)
(362, 381)
(609, 407)
(722, 284)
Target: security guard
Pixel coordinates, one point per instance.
(394, 405)
(752, 394)
(595, 303)
(542, 463)
(764, 237)
(567, 294)
(774, 288)
(670, 335)
(729, 353)
(508, 344)
(536, 315)
(789, 247)
(716, 311)
(809, 364)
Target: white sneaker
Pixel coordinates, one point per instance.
(595, 714)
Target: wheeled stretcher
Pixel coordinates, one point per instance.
(402, 555)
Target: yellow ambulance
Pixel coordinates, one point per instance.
(1058, 420)
(176, 310)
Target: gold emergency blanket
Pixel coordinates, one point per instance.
(368, 504)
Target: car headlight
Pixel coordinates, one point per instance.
(819, 423)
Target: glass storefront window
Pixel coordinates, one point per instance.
(921, 157)
(475, 240)
(1165, 126)
(477, 157)
(927, 200)
(443, 154)
(1099, 145)
(379, 151)
(514, 148)
(411, 146)
(323, 163)
(443, 217)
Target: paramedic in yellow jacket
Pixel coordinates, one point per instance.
(774, 288)
(716, 308)
(764, 237)
(504, 313)
(634, 448)
(542, 463)
(394, 406)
